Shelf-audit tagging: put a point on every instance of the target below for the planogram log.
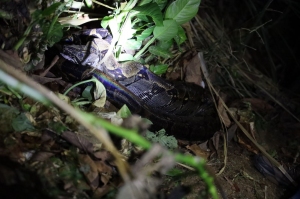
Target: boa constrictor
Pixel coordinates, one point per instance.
(184, 110)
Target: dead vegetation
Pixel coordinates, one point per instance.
(242, 51)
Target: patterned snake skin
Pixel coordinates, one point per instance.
(184, 110)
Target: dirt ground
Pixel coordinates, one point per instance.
(240, 179)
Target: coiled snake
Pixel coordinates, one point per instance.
(184, 110)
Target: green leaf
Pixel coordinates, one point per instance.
(132, 44)
(166, 45)
(55, 34)
(167, 31)
(124, 112)
(99, 93)
(159, 69)
(180, 37)
(161, 3)
(57, 127)
(125, 57)
(155, 50)
(182, 10)
(51, 9)
(21, 123)
(105, 21)
(143, 18)
(127, 32)
(86, 93)
(8, 113)
(143, 2)
(152, 10)
(146, 33)
(36, 15)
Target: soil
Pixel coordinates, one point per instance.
(240, 179)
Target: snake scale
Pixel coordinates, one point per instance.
(185, 110)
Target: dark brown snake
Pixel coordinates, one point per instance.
(185, 110)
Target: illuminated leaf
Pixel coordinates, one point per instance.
(182, 10)
(167, 31)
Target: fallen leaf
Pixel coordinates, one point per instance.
(78, 141)
(192, 70)
(198, 151)
(89, 169)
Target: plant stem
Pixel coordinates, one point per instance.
(21, 41)
(77, 84)
(137, 55)
(102, 4)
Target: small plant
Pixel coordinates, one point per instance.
(148, 22)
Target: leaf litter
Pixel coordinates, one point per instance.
(99, 170)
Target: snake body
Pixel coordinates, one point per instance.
(184, 110)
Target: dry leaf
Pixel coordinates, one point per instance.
(198, 151)
(192, 71)
(78, 141)
(223, 114)
(89, 169)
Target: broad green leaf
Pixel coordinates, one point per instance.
(161, 3)
(167, 31)
(159, 69)
(180, 37)
(182, 10)
(146, 33)
(124, 112)
(166, 45)
(36, 15)
(152, 10)
(125, 57)
(144, 18)
(105, 21)
(132, 44)
(115, 23)
(55, 34)
(143, 2)
(114, 27)
(155, 50)
(127, 32)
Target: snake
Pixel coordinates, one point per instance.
(183, 109)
